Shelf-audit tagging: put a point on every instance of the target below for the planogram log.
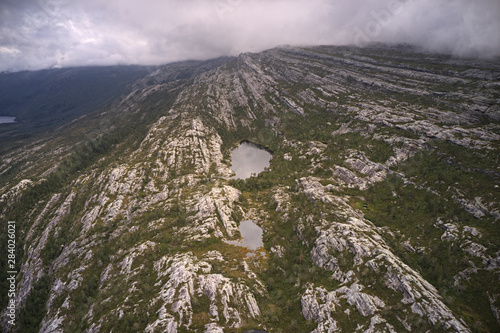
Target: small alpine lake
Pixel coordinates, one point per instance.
(251, 237)
(7, 120)
(249, 159)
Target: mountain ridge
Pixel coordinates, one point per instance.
(369, 197)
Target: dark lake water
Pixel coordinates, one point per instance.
(247, 159)
(7, 120)
(251, 235)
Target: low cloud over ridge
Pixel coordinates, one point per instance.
(37, 34)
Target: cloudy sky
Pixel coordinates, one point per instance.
(37, 34)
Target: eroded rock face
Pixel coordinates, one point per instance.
(359, 241)
(218, 205)
(11, 194)
(365, 304)
(31, 269)
(188, 278)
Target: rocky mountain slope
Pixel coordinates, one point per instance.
(380, 209)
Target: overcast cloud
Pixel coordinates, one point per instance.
(37, 34)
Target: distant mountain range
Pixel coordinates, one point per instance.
(43, 100)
